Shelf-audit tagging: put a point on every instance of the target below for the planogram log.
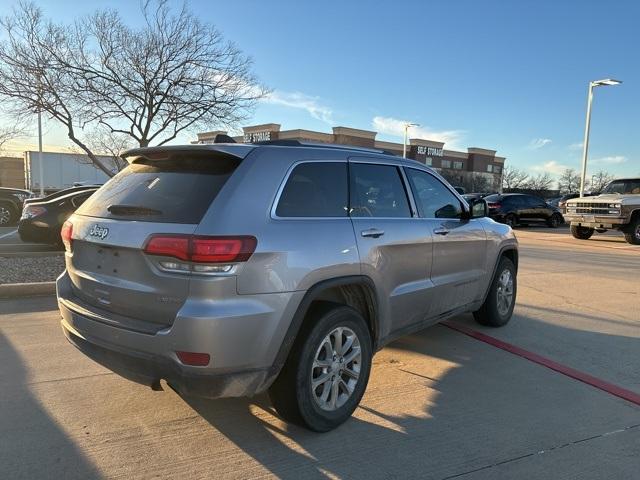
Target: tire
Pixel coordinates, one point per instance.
(510, 220)
(292, 394)
(632, 232)
(8, 214)
(581, 233)
(555, 221)
(497, 308)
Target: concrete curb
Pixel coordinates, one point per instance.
(30, 254)
(17, 290)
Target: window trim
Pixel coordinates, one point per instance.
(276, 201)
(463, 205)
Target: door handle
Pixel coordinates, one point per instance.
(372, 232)
(441, 231)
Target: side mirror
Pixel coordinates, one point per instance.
(479, 208)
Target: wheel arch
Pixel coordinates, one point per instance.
(356, 291)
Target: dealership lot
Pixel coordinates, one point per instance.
(440, 404)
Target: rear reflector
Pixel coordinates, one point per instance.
(200, 249)
(194, 359)
(65, 234)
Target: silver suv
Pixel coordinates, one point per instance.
(231, 269)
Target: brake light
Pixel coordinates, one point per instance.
(200, 249)
(494, 205)
(194, 359)
(65, 234)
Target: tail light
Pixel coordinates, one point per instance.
(494, 205)
(30, 211)
(201, 250)
(65, 234)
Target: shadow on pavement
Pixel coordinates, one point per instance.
(13, 306)
(32, 444)
(489, 407)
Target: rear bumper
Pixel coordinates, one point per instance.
(242, 340)
(34, 233)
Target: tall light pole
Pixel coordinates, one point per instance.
(406, 132)
(40, 166)
(585, 149)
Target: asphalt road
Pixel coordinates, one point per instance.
(439, 405)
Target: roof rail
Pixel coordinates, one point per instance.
(298, 143)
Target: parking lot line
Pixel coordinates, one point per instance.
(610, 388)
(7, 234)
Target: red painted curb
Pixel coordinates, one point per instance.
(546, 362)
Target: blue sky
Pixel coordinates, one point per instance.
(510, 76)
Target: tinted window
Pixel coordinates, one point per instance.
(377, 191)
(168, 191)
(316, 189)
(433, 198)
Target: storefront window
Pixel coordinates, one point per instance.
(428, 161)
(490, 168)
(446, 163)
(496, 169)
(457, 165)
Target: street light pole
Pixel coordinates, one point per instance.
(406, 133)
(585, 147)
(40, 166)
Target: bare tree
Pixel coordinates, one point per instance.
(513, 178)
(172, 76)
(540, 183)
(600, 180)
(10, 132)
(569, 181)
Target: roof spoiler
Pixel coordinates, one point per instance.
(237, 151)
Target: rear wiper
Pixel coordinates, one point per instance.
(132, 210)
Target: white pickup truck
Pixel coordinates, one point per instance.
(617, 207)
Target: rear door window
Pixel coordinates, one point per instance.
(169, 191)
(377, 191)
(315, 189)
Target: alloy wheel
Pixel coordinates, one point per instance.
(336, 369)
(5, 215)
(505, 292)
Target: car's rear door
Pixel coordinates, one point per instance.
(395, 247)
(459, 244)
(108, 267)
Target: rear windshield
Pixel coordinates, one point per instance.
(164, 191)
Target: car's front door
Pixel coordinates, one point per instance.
(459, 244)
(394, 246)
(540, 209)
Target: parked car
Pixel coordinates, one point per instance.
(518, 208)
(11, 201)
(474, 196)
(61, 193)
(616, 208)
(41, 221)
(231, 269)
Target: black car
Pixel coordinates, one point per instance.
(62, 193)
(518, 208)
(42, 220)
(11, 201)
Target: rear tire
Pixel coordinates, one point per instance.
(338, 369)
(632, 233)
(581, 233)
(497, 308)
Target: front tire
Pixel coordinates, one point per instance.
(581, 233)
(632, 233)
(497, 308)
(327, 371)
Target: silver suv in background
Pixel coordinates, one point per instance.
(227, 270)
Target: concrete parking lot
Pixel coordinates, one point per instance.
(440, 404)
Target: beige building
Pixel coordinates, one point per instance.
(477, 169)
(12, 172)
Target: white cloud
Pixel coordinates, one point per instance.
(538, 143)
(576, 146)
(395, 127)
(611, 160)
(551, 167)
(301, 101)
